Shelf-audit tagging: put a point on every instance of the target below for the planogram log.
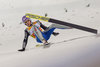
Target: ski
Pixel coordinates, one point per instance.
(44, 46)
(39, 45)
(33, 16)
(37, 17)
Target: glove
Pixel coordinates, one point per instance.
(23, 49)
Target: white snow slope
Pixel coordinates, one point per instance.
(72, 48)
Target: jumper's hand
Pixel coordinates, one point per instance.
(23, 49)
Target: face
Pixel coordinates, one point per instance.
(28, 23)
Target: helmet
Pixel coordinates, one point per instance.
(24, 19)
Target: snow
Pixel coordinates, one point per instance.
(71, 48)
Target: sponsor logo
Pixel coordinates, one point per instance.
(37, 17)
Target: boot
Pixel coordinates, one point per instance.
(55, 33)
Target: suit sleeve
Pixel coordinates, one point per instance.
(25, 38)
(43, 26)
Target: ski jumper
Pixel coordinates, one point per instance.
(37, 32)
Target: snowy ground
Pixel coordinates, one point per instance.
(72, 48)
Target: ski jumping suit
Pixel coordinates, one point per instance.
(37, 32)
